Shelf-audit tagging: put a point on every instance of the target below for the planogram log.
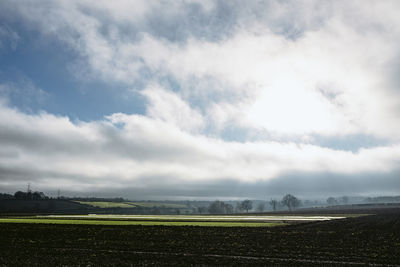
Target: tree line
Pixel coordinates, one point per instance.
(220, 207)
(19, 195)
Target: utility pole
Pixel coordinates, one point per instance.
(29, 193)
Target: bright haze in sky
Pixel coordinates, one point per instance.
(200, 99)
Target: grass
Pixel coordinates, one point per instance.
(118, 222)
(204, 218)
(158, 205)
(104, 204)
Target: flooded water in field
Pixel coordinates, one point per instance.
(202, 218)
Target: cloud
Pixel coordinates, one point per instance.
(8, 38)
(16, 87)
(296, 72)
(172, 109)
(130, 151)
(283, 76)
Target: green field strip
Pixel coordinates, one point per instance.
(165, 223)
(227, 218)
(170, 220)
(158, 205)
(104, 205)
(130, 204)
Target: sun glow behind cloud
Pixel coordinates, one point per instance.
(286, 107)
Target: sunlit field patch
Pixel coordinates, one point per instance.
(136, 222)
(242, 218)
(168, 220)
(129, 204)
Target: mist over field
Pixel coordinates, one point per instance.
(200, 99)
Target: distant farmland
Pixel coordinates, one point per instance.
(67, 206)
(104, 204)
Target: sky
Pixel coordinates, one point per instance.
(200, 99)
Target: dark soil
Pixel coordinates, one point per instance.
(360, 241)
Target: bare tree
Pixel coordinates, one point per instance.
(216, 207)
(246, 205)
(219, 207)
(331, 201)
(290, 201)
(261, 206)
(273, 203)
(201, 210)
(228, 208)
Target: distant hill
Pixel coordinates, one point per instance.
(66, 206)
(383, 199)
(41, 206)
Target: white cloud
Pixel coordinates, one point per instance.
(122, 150)
(172, 109)
(330, 80)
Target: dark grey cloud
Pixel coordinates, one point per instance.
(303, 185)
